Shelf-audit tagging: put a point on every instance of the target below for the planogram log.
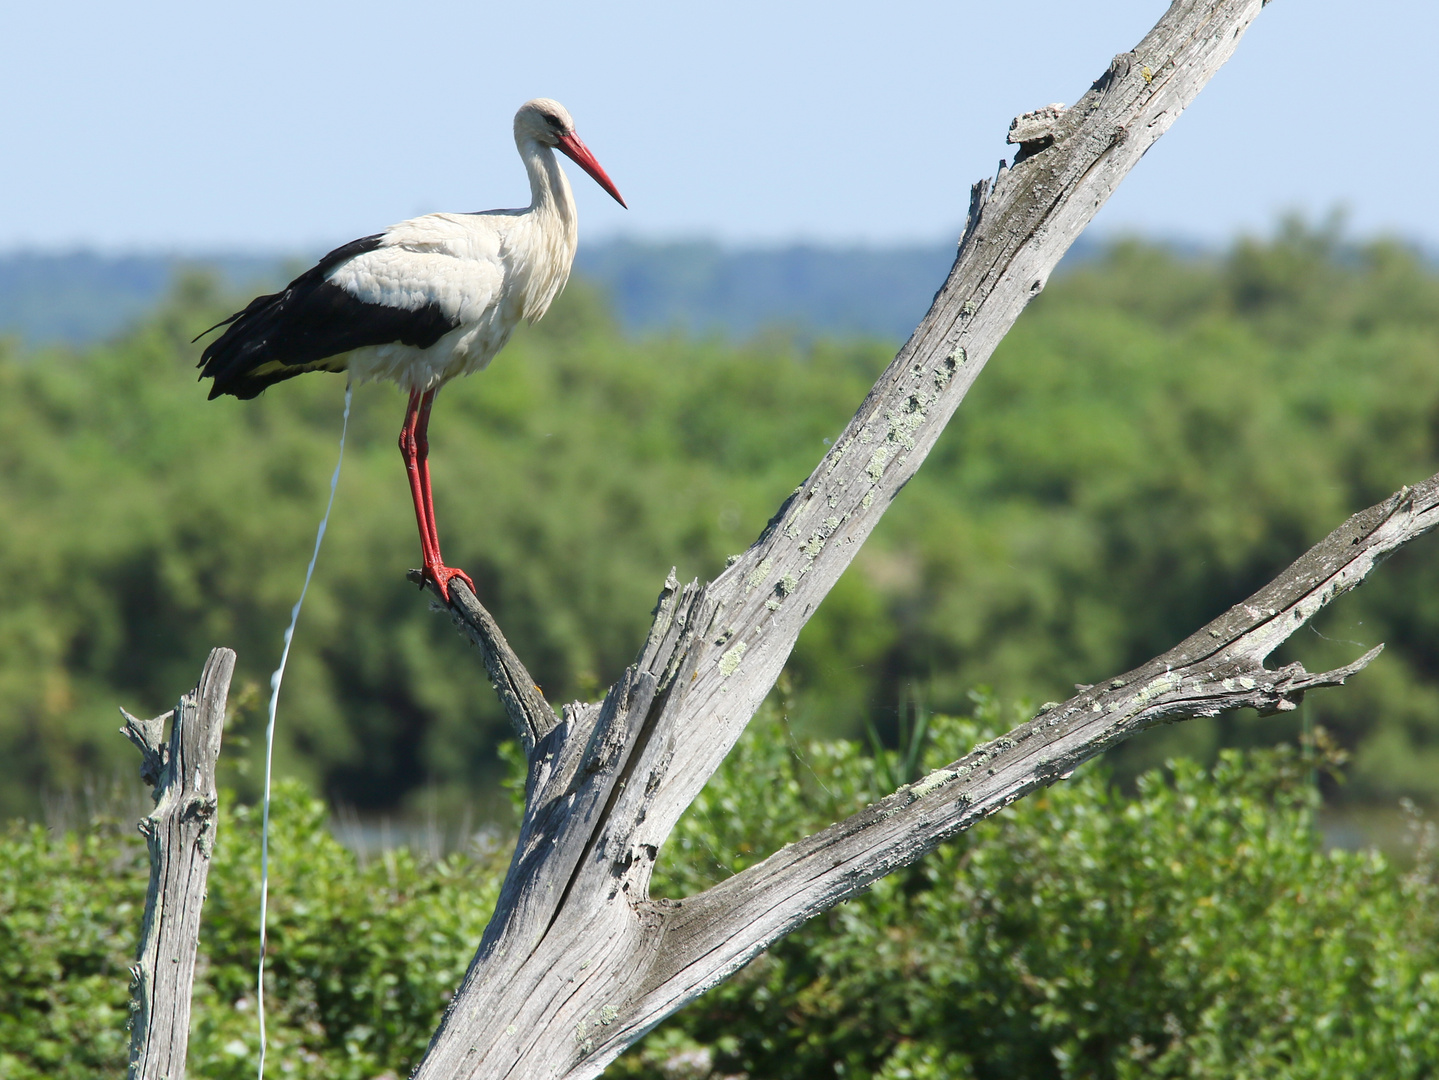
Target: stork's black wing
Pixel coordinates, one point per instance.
(308, 326)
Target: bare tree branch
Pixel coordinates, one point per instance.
(180, 833)
(1217, 669)
(530, 714)
(577, 963)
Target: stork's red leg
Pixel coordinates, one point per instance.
(422, 446)
(434, 568)
(409, 450)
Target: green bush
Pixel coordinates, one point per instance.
(1196, 929)
(70, 909)
(362, 953)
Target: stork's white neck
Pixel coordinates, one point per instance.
(554, 226)
(549, 187)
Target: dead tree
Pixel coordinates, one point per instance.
(180, 833)
(578, 961)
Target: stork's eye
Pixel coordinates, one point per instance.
(556, 123)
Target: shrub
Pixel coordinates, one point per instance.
(1196, 929)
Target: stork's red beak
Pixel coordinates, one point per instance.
(579, 153)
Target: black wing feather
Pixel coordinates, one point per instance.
(308, 326)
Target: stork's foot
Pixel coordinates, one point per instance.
(442, 575)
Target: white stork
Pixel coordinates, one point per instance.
(424, 301)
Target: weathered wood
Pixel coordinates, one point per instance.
(530, 714)
(1218, 668)
(578, 962)
(180, 833)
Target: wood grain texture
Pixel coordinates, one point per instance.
(1216, 669)
(578, 962)
(530, 714)
(180, 833)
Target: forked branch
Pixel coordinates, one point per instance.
(1217, 669)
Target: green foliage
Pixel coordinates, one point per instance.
(1196, 929)
(70, 911)
(143, 524)
(363, 955)
(1155, 438)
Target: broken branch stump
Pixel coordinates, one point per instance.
(180, 833)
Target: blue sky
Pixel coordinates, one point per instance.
(289, 126)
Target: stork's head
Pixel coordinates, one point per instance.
(549, 123)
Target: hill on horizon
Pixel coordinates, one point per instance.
(695, 287)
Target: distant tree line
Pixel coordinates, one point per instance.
(1157, 436)
(695, 287)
